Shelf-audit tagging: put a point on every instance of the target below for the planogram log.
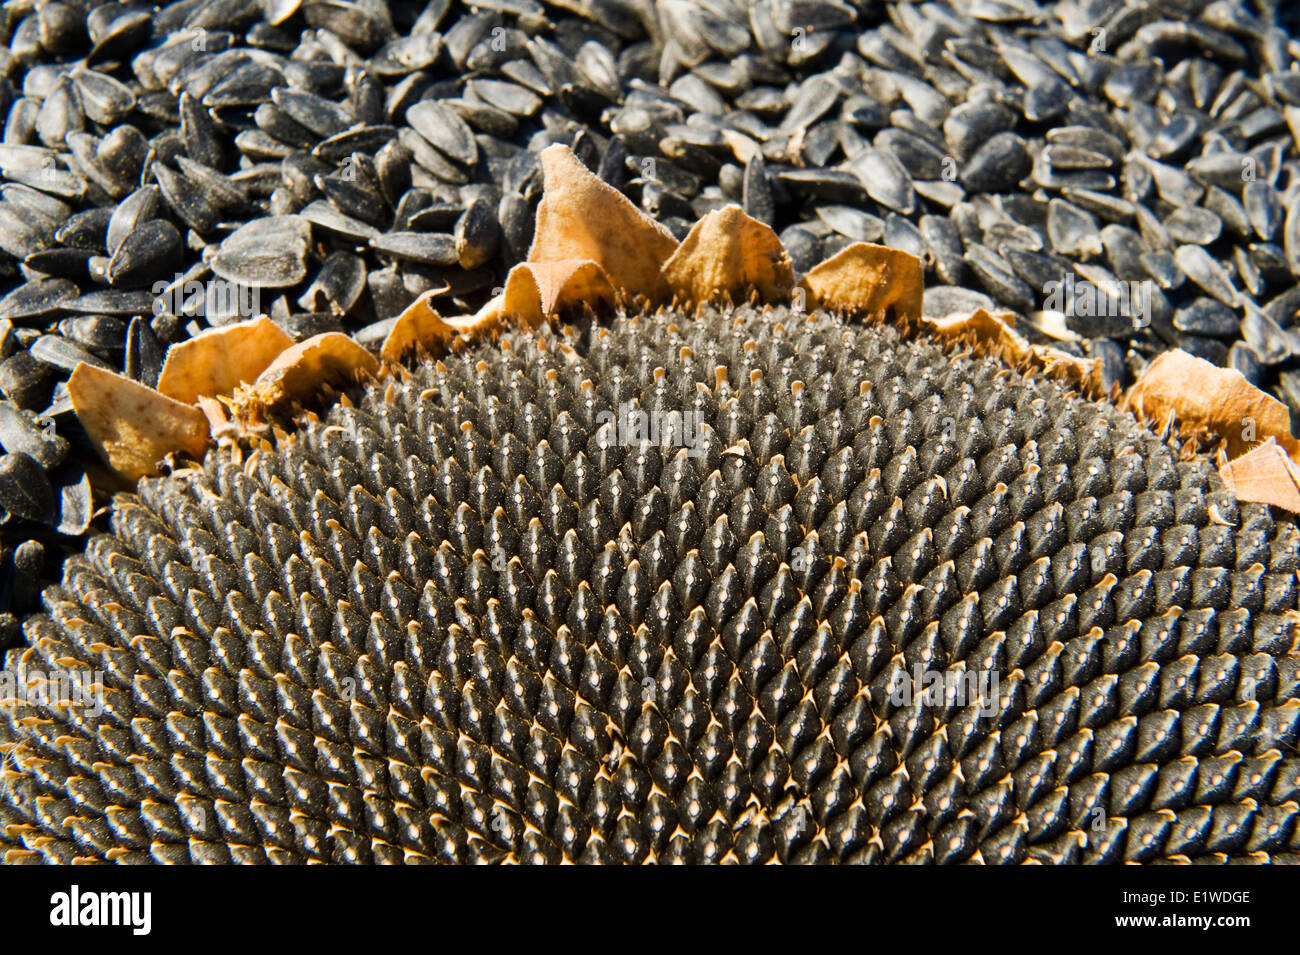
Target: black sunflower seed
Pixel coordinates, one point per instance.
(144, 354)
(337, 286)
(427, 247)
(444, 129)
(20, 433)
(152, 250)
(25, 491)
(998, 165)
(265, 253)
(35, 299)
(477, 234)
(186, 199)
(1205, 316)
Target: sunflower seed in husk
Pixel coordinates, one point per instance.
(151, 251)
(144, 353)
(972, 124)
(65, 263)
(406, 54)
(356, 197)
(1193, 225)
(939, 301)
(1113, 369)
(998, 278)
(920, 158)
(60, 114)
(121, 154)
(998, 165)
(119, 30)
(187, 199)
(17, 237)
(1222, 169)
(59, 353)
(477, 234)
(901, 234)
(337, 286)
(225, 195)
(1242, 358)
(854, 223)
(1071, 230)
(26, 381)
(1211, 349)
(431, 160)
(1268, 342)
(1175, 136)
(1038, 270)
(444, 129)
(884, 178)
(393, 170)
(99, 333)
(265, 253)
(756, 192)
(246, 85)
(25, 491)
(85, 230)
(1263, 209)
(112, 302)
(366, 139)
(1198, 266)
(36, 299)
(19, 432)
(1205, 316)
(301, 326)
(430, 248)
(323, 215)
(45, 212)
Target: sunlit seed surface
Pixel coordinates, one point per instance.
(469, 620)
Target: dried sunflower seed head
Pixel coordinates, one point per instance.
(749, 586)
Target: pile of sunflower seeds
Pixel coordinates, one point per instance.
(1123, 176)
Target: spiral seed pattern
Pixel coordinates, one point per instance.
(461, 619)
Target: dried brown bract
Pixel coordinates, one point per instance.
(869, 280)
(132, 427)
(729, 253)
(215, 362)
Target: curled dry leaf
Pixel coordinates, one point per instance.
(485, 318)
(868, 280)
(332, 358)
(420, 326)
(133, 427)
(729, 252)
(1201, 395)
(1265, 475)
(522, 301)
(581, 218)
(568, 282)
(984, 326)
(214, 362)
(299, 373)
(996, 330)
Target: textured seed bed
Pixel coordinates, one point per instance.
(388, 641)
